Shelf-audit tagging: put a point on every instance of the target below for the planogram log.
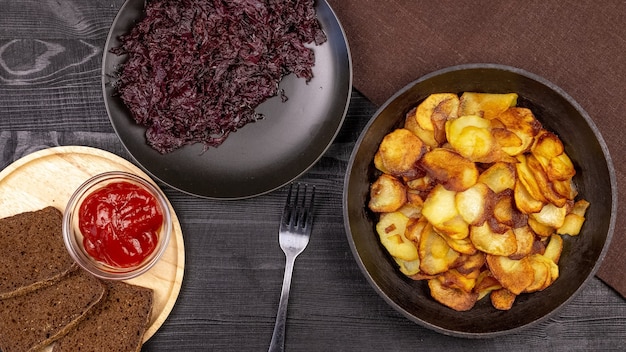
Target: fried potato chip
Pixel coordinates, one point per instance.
(526, 175)
(475, 203)
(572, 225)
(504, 137)
(450, 169)
(573, 222)
(414, 228)
(539, 228)
(455, 279)
(435, 255)
(523, 123)
(485, 284)
(387, 194)
(454, 298)
(428, 137)
(499, 176)
(502, 299)
(543, 182)
(469, 263)
(391, 228)
(424, 184)
(440, 205)
(580, 207)
(514, 275)
(446, 105)
(487, 105)
(554, 249)
(547, 145)
(524, 201)
(542, 269)
(400, 151)
(525, 239)
(455, 228)
(551, 215)
(471, 137)
(493, 243)
(560, 168)
(462, 245)
(408, 268)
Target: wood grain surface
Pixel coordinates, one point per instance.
(50, 95)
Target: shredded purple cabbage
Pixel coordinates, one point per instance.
(197, 69)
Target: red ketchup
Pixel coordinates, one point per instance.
(120, 224)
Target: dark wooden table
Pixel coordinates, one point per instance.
(50, 94)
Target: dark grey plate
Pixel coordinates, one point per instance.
(581, 255)
(261, 156)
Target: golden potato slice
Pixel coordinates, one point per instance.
(551, 215)
(461, 245)
(456, 228)
(443, 104)
(486, 240)
(469, 263)
(504, 137)
(475, 203)
(544, 184)
(502, 299)
(504, 211)
(514, 275)
(499, 176)
(428, 137)
(424, 184)
(435, 255)
(454, 279)
(487, 105)
(525, 238)
(565, 188)
(543, 277)
(454, 298)
(414, 228)
(387, 194)
(455, 127)
(485, 284)
(450, 169)
(378, 162)
(408, 268)
(523, 123)
(526, 175)
(524, 201)
(540, 229)
(391, 228)
(572, 225)
(547, 145)
(400, 151)
(554, 249)
(580, 207)
(471, 137)
(440, 205)
(560, 168)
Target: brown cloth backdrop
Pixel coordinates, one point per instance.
(578, 45)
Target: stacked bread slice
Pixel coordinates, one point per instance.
(45, 297)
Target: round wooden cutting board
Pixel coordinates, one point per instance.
(49, 177)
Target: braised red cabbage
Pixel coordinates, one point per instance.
(197, 69)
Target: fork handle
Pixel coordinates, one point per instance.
(278, 336)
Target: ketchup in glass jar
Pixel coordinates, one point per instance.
(120, 224)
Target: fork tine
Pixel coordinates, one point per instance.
(298, 206)
(308, 208)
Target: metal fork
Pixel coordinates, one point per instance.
(293, 235)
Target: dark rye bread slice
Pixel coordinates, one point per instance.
(32, 252)
(117, 324)
(33, 320)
